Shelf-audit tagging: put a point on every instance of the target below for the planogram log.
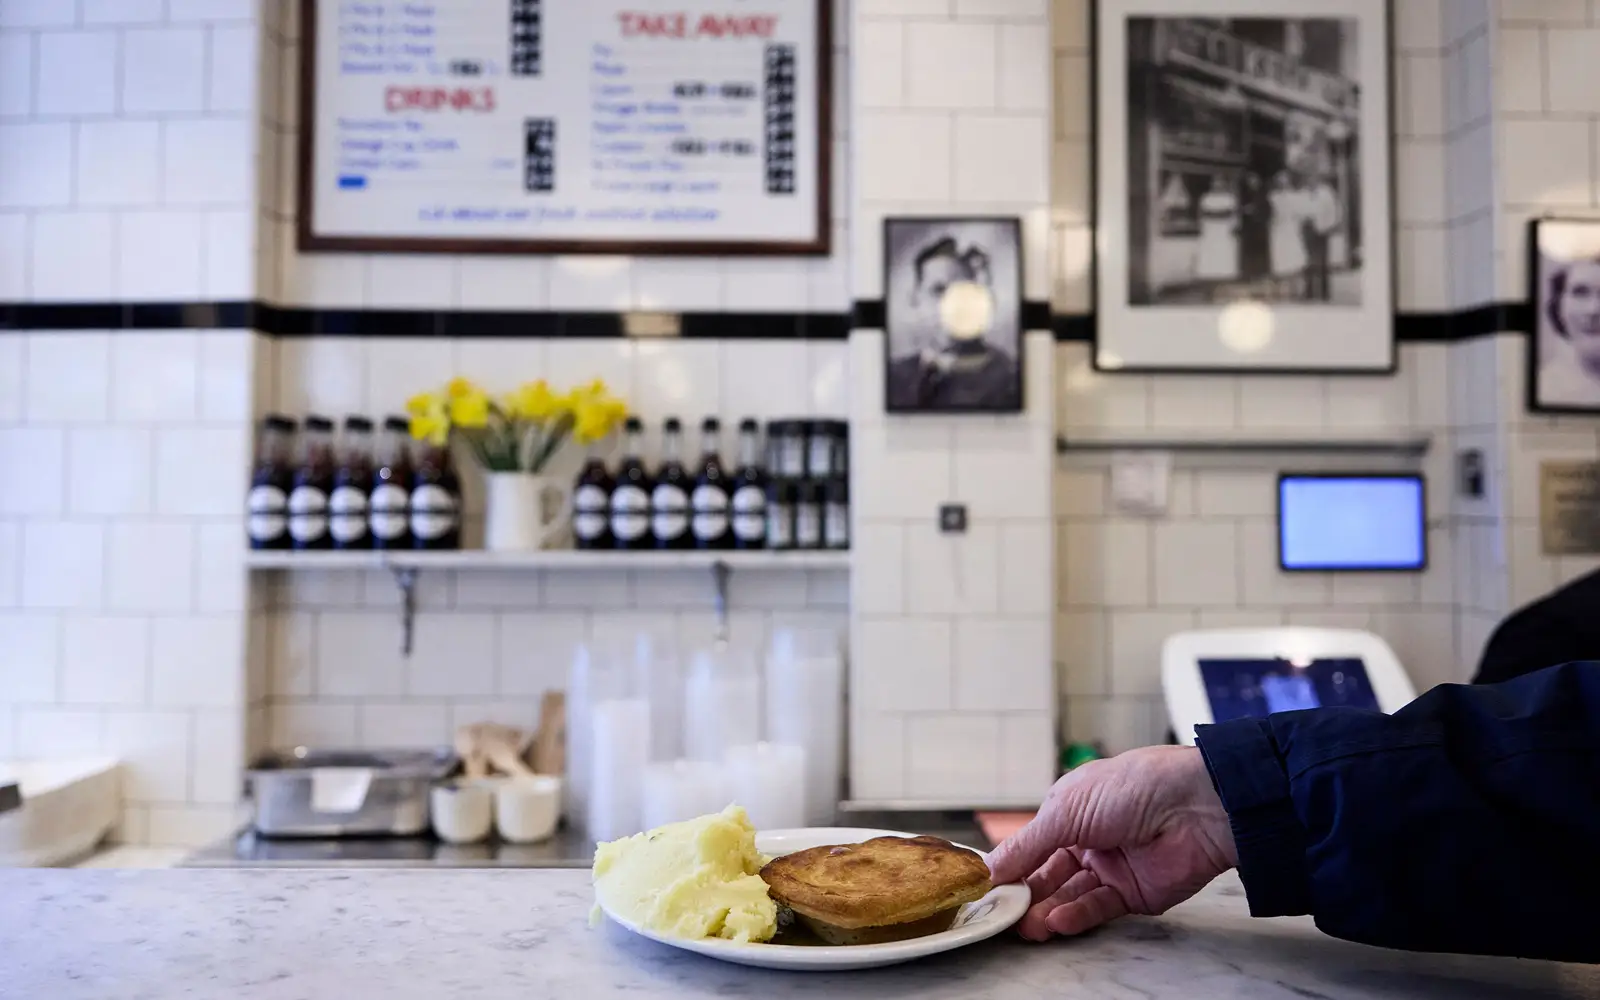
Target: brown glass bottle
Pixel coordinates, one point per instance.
(669, 499)
(630, 494)
(435, 500)
(352, 482)
(313, 481)
(591, 503)
(748, 496)
(267, 507)
(390, 504)
(708, 503)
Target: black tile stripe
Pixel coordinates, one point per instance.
(868, 314)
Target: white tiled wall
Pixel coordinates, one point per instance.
(951, 633)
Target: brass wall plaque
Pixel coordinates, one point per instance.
(1569, 508)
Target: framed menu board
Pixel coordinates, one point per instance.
(565, 126)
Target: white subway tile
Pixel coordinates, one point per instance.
(771, 590)
(1083, 663)
(765, 285)
(326, 375)
(877, 756)
(119, 163)
(828, 590)
(1104, 563)
(523, 713)
(10, 563)
(221, 580)
(412, 281)
(1572, 72)
(1420, 270)
(328, 280)
(37, 14)
(301, 723)
(1027, 569)
(501, 364)
(1117, 724)
(1194, 402)
(292, 670)
(73, 254)
(902, 665)
(58, 732)
(1330, 618)
(454, 656)
(230, 261)
(1025, 68)
(1388, 589)
(1002, 158)
(1274, 403)
(878, 567)
(1520, 82)
(225, 376)
(1090, 400)
(758, 379)
(575, 361)
(42, 451)
(209, 161)
(828, 278)
(1027, 754)
(1229, 493)
(880, 64)
(231, 85)
(673, 588)
(155, 753)
(32, 664)
(1135, 646)
(191, 826)
(123, 11)
(952, 574)
(386, 725)
(953, 757)
(197, 662)
(1379, 403)
(109, 471)
(202, 470)
(678, 283)
(1080, 492)
(1553, 166)
(1424, 640)
(1004, 664)
(536, 652)
(13, 286)
(63, 565)
(161, 255)
(1417, 25)
(1195, 564)
(899, 8)
(212, 10)
(151, 567)
(584, 283)
(681, 378)
(399, 368)
(1264, 583)
(16, 75)
(950, 65)
(903, 156)
(1004, 469)
(7, 731)
(504, 282)
(828, 370)
(358, 655)
(163, 70)
(1563, 12)
(1419, 195)
(219, 757)
(1031, 10)
(899, 470)
(77, 73)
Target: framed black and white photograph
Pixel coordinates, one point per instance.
(953, 315)
(1564, 292)
(1242, 202)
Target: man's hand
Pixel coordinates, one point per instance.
(1136, 833)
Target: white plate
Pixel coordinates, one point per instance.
(977, 921)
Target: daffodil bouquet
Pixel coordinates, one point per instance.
(519, 431)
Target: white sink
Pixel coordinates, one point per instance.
(68, 806)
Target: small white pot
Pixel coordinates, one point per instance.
(523, 511)
(462, 813)
(526, 810)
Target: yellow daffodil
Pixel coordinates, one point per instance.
(461, 387)
(533, 401)
(434, 430)
(469, 410)
(424, 403)
(521, 430)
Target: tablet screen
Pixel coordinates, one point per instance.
(1255, 688)
(1351, 523)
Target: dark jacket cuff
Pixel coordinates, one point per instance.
(1250, 779)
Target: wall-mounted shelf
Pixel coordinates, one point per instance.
(1408, 446)
(405, 566)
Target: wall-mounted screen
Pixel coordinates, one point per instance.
(569, 126)
(1352, 523)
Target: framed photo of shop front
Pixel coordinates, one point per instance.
(1242, 186)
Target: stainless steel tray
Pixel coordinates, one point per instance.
(383, 792)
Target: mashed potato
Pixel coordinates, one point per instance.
(695, 879)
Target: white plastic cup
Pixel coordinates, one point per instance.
(462, 813)
(526, 810)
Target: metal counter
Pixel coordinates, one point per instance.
(569, 848)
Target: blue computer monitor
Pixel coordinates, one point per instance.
(1352, 523)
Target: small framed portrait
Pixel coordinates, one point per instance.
(953, 315)
(1564, 349)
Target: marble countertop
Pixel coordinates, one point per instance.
(251, 934)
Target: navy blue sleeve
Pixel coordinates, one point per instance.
(1468, 821)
